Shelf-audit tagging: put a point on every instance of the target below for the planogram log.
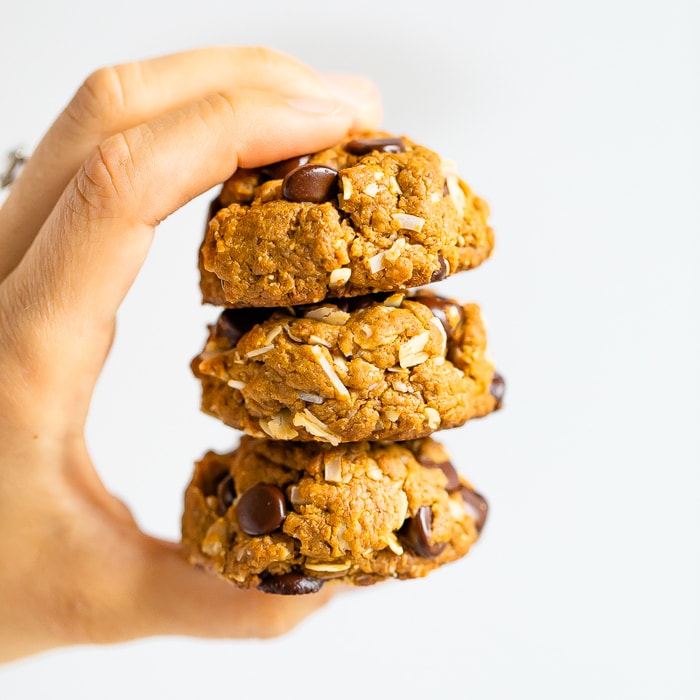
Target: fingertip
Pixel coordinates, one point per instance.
(360, 94)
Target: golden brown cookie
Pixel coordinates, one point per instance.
(376, 213)
(287, 517)
(381, 367)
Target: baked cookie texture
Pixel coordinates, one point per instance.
(380, 367)
(287, 517)
(375, 213)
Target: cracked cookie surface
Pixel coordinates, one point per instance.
(380, 367)
(287, 517)
(375, 213)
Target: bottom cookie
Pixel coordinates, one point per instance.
(286, 517)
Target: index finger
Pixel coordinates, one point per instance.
(117, 98)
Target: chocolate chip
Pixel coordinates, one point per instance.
(416, 533)
(439, 307)
(498, 389)
(361, 147)
(441, 272)
(453, 483)
(261, 510)
(276, 171)
(476, 505)
(290, 584)
(212, 476)
(232, 324)
(225, 494)
(310, 183)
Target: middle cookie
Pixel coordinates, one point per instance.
(365, 368)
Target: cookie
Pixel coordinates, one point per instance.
(379, 367)
(287, 517)
(373, 214)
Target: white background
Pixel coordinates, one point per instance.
(579, 122)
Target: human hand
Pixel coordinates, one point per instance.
(135, 143)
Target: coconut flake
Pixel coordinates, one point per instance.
(409, 221)
(272, 334)
(279, 427)
(339, 276)
(340, 363)
(338, 385)
(397, 248)
(310, 398)
(410, 352)
(441, 329)
(327, 566)
(315, 427)
(395, 300)
(374, 472)
(291, 335)
(394, 186)
(392, 414)
(260, 351)
(433, 418)
(236, 384)
(328, 314)
(347, 187)
(315, 340)
(332, 468)
(456, 193)
(294, 496)
(376, 262)
(371, 189)
(393, 544)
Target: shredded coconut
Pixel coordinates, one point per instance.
(315, 427)
(409, 221)
(260, 351)
(338, 385)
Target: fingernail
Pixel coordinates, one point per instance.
(315, 105)
(354, 90)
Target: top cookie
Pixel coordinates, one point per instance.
(375, 213)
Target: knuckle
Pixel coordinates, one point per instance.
(100, 98)
(215, 107)
(106, 178)
(264, 55)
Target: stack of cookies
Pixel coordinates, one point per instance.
(338, 362)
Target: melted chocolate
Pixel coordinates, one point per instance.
(417, 531)
(232, 324)
(439, 307)
(291, 584)
(225, 494)
(498, 389)
(361, 147)
(276, 171)
(476, 505)
(441, 272)
(453, 483)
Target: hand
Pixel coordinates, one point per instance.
(136, 142)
